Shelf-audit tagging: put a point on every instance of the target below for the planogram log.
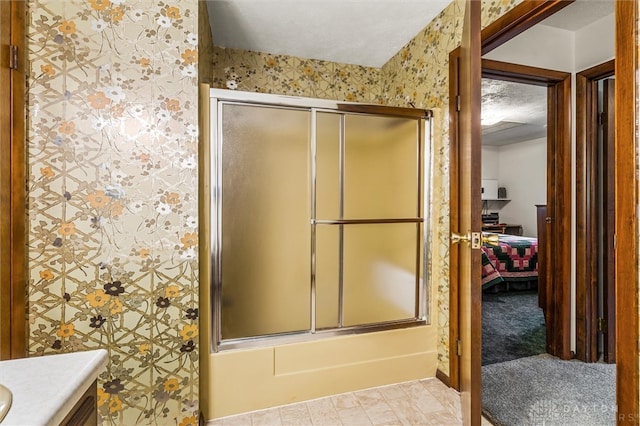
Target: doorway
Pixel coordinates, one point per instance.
(595, 214)
(518, 20)
(554, 290)
(514, 159)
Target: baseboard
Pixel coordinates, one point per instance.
(443, 377)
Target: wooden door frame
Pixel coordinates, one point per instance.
(626, 184)
(13, 265)
(557, 301)
(514, 22)
(587, 239)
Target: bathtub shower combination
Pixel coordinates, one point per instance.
(316, 216)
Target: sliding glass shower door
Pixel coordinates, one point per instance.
(265, 221)
(319, 219)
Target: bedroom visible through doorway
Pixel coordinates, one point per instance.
(514, 167)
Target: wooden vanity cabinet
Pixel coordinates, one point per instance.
(85, 412)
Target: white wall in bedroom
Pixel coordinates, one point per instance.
(525, 181)
(490, 163)
(521, 169)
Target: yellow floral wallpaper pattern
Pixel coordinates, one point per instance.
(113, 214)
(287, 75)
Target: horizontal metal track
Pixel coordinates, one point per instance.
(366, 221)
(307, 336)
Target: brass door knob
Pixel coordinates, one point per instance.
(491, 239)
(458, 238)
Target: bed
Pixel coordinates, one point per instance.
(514, 259)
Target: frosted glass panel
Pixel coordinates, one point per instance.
(327, 166)
(381, 167)
(265, 221)
(379, 273)
(327, 275)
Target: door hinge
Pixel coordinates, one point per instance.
(459, 347)
(615, 241)
(13, 57)
(458, 103)
(602, 325)
(602, 118)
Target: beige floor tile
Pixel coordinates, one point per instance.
(369, 397)
(414, 389)
(427, 403)
(345, 400)
(354, 416)
(416, 403)
(434, 384)
(444, 418)
(239, 420)
(269, 417)
(381, 413)
(392, 392)
(448, 398)
(295, 415)
(408, 414)
(323, 412)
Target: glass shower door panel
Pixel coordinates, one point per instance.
(381, 167)
(380, 272)
(327, 275)
(327, 165)
(265, 242)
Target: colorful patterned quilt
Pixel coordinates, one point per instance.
(513, 259)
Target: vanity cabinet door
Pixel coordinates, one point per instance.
(85, 412)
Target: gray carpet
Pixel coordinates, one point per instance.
(512, 326)
(544, 390)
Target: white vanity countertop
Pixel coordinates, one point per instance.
(46, 388)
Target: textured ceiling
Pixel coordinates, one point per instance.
(512, 112)
(357, 32)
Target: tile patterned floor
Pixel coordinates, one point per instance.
(421, 402)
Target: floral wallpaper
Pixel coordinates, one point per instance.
(113, 213)
(287, 75)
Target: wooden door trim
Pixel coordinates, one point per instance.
(626, 182)
(454, 220)
(559, 200)
(587, 239)
(609, 221)
(19, 185)
(13, 216)
(517, 20)
(5, 196)
(521, 73)
(557, 304)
